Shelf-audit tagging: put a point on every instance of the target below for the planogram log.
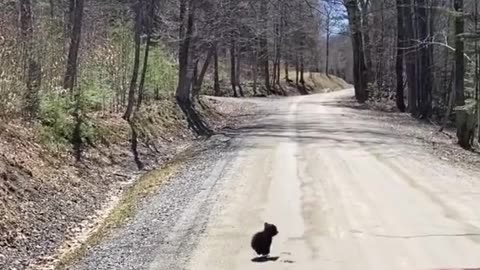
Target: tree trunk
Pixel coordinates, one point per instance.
(287, 79)
(367, 45)
(186, 29)
(477, 69)
(131, 95)
(233, 67)
(297, 71)
(76, 32)
(71, 73)
(216, 79)
(136, 62)
(286, 42)
(327, 52)
(255, 71)
(69, 18)
(275, 49)
(195, 74)
(266, 70)
(410, 56)
(238, 72)
(141, 86)
(424, 68)
(33, 70)
(278, 53)
(459, 80)
(399, 58)
(302, 72)
(359, 69)
(183, 92)
(450, 105)
(279, 58)
(379, 65)
(327, 49)
(463, 132)
(264, 45)
(199, 81)
(149, 22)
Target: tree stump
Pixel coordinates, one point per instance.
(466, 122)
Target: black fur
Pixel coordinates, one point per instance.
(262, 241)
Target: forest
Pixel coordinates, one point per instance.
(90, 87)
(63, 61)
(432, 58)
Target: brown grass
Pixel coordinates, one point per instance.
(323, 82)
(124, 210)
(320, 82)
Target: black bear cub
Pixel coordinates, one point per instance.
(261, 241)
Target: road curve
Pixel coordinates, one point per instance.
(345, 193)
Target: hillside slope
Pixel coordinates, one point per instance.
(46, 197)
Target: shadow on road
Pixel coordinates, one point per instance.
(263, 259)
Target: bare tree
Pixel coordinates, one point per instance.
(136, 60)
(400, 56)
(201, 76)
(216, 79)
(459, 83)
(71, 73)
(183, 93)
(150, 8)
(76, 33)
(32, 66)
(411, 55)
(264, 58)
(359, 68)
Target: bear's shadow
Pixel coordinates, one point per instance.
(263, 259)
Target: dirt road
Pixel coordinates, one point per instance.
(344, 191)
(345, 194)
